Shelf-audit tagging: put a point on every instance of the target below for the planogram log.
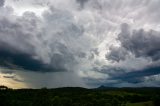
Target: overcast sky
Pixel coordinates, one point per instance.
(86, 43)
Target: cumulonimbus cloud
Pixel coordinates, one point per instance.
(87, 37)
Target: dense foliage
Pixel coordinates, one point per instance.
(79, 97)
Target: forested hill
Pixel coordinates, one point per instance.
(76, 96)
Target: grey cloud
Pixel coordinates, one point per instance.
(95, 51)
(137, 76)
(28, 43)
(5, 71)
(82, 55)
(22, 61)
(117, 54)
(64, 59)
(140, 43)
(2, 3)
(13, 34)
(13, 77)
(16, 47)
(10, 77)
(111, 70)
(145, 77)
(64, 38)
(82, 2)
(152, 8)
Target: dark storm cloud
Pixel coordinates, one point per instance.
(75, 35)
(19, 46)
(128, 79)
(21, 60)
(12, 58)
(16, 49)
(17, 35)
(26, 43)
(140, 43)
(2, 3)
(137, 76)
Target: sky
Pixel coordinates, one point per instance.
(79, 43)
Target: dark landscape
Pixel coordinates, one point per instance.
(76, 96)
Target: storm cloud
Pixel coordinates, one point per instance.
(140, 43)
(80, 42)
(22, 42)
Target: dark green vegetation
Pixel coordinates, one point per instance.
(80, 97)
